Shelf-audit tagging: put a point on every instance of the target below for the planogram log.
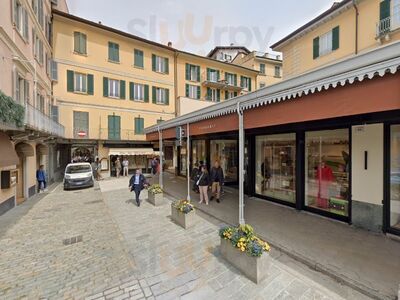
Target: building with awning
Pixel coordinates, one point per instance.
(326, 141)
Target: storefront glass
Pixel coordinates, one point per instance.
(226, 153)
(275, 166)
(183, 160)
(199, 152)
(395, 176)
(327, 166)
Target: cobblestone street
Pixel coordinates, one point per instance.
(98, 245)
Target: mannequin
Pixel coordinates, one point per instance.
(324, 179)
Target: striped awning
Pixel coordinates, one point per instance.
(9, 157)
(133, 151)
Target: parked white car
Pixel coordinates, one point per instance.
(78, 175)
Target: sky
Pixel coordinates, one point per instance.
(199, 25)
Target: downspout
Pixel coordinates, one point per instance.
(357, 15)
(176, 82)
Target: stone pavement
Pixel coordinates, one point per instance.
(172, 263)
(366, 261)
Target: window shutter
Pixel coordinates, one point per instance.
(122, 89)
(218, 75)
(208, 93)
(218, 95)
(70, 81)
(54, 70)
(82, 43)
(316, 48)
(105, 87)
(26, 25)
(141, 125)
(136, 125)
(187, 72)
(235, 79)
(198, 92)
(110, 51)
(131, 91)
(208, 74)
(241, 81)
(153, 62)
(335, 38)
(384, 9)
(166, 65)
(249, 84)
(167, 96)
(117, 127)
(146, 93)
(153, 94)
(111, 128)
(138, 58)
(90, 83)
(14, 13)
(116, 52)
(226, 95)
(26, 91)
(76, 42)
(187, 90)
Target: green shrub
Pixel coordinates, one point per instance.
(10, 111)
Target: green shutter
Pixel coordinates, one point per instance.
(153, 62)
(335, 38)
(83, 43)
(316, 48)
(111, 131)
(226, 95)
(187, 90)
(187, 72)
(241, 81)
(117, 127)
(77, 42)
(90, 83)
(114, 127)
(208, 74)
(249, 84)
(131, 91)
(153, 94)
(116, 52)
(105, 87)
(235, 79)
(136, 125)
(166, 96)
(198, 92)
(142, 125)
(384, 10)
(146, 93)
(218, 95)
(209, 93)
(122, 89)
(110, 51)
(198, 73)
(166, 60)
(218, 75)
(70, 81)
(138, 58)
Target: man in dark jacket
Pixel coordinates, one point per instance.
(137, 184)
(217, 180)
(195, 177)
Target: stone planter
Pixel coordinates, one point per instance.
(156, 199)
(255, 268)
(184, 220)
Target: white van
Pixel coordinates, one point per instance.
(78, 175)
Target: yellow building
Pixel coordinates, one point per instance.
(111, 85)
(346, 29)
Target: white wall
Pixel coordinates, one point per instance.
(187, 105)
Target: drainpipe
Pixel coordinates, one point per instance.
(176, 82)
(160, 139)
(357, 15)
(241, 165)
(187, 161)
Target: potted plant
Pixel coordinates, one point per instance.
(245, 251)
(182, 213)
(156, 195)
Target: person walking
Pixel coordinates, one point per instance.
(195, 177)
(41, 178)
(217, 180)
(118, 167)
(203, 183)
(98, 173)
(94, 166)
(125, 164)
(137, 184)
(154, 166)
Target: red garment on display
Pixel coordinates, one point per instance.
(324, 177)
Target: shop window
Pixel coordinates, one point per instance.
(395, 177)
(275, 166)
(226, 153)
(199, 152)
(327, 165)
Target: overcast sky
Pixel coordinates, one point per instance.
(199, 25)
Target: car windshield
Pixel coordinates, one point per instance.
(78, 169)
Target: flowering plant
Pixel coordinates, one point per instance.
(243, 238)
(155, 189)
(183, 206)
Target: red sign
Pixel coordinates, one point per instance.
(81, 133)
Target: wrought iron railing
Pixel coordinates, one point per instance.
(387, 25)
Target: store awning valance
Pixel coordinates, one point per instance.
(133, 151)
(42, 149)
(9, 157)
(24, 149)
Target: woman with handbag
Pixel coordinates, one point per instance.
(203, 183)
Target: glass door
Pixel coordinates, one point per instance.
(394, 177)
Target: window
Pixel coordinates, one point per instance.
(37, 6)
(139, 125)
(213, 95)
(262, 69)
(81, 124)
(395, 176)
(80, 43)
(230, 95)
(113, 88)
(160, 95)
(199, 152)
(231, 79)
(193, 91)
(80, 83)
(38, 49)
(40, 102)
(245, 83)
(138, 58)
(160, 64)
(275, 166)
(21, 19)
(227, 57)
(113, 52)
(21, 90)
(226, 153)
(53, 70)
(326, 43)
(277, 71)
(327, 164)
(138, 92)
(114, 127)
(212, 75)
(192, 72)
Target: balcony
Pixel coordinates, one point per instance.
(37, 120)
(213, 81)
(385, 26)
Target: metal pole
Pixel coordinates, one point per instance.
(160, 180)
(241, 166)
(187, 161)
(34, 84)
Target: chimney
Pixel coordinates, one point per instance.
(169, 44)
(100, 22)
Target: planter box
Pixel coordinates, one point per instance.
(255, 268)
(156, 199)
(184, 220)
